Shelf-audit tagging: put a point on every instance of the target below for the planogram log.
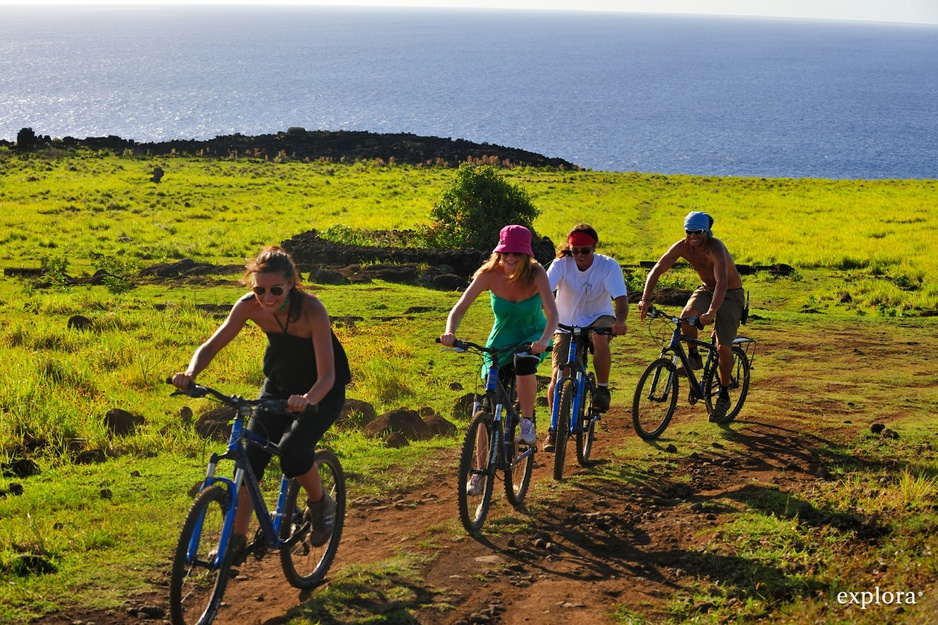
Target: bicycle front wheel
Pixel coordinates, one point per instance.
(587, 430)
(655, 399)
(476, 471)
(564, 411)
(199, 575)
(738, 389)
(519, 467)
(304, 564)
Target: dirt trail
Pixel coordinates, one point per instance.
(603, 545)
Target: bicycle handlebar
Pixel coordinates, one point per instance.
(276, 405)
(654, 313)
(603, 330)
(463, 346)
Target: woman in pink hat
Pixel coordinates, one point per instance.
(524, 312)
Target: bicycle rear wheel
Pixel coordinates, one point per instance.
(739, 385)
(587, 430)
(567, 391)
(475, 463)
(655, 399)
(198, 579)
(305, 565)
(519, 467)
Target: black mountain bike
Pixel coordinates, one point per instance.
(656, 394)
(490, 444)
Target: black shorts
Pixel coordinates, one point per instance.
(298, 435)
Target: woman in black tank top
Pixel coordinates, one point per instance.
(304, 363)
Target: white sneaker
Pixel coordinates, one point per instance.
(526, 433)
(475, 485)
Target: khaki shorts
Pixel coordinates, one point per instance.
(562, 341)
(728, 316)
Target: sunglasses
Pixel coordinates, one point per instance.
(276, 291)
(690, 232)
(581, 250)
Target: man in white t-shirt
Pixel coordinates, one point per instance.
(590, 292)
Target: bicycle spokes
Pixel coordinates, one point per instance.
(655, 399)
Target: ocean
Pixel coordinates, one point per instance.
(610, 92)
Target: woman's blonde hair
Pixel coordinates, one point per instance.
(523, 277)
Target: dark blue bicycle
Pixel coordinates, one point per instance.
(572, 410)
(203, 559)
(657, 391)
(490, 444)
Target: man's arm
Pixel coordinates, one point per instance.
(718, 255)
(664, 263)
(622, 313)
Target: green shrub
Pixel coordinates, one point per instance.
(478, 204)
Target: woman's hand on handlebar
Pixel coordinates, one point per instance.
(299, 403)
(448, 339)
(539, 347)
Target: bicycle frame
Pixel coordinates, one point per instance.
(679, 353)
(500, 401)
(244, 476)
(578, 374)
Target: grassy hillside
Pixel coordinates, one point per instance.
(862, 250)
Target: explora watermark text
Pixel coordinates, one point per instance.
(878, 597)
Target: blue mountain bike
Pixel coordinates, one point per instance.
(203, 559)
(572, 410)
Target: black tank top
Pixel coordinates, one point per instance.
(290, 365)
(290, 362)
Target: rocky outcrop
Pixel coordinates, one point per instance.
(302, 144)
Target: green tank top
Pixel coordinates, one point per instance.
(515, 322)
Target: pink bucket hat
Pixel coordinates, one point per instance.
(514, 239)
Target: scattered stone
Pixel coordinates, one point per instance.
(877, 428)
(216, 423)
(396, 440)
(121, 423)
(357, 412)
(671, 448)
(439, 426)
(79, 322)
(462, 408)
(404, 422)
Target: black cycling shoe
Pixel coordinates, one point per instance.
(601, 398)
(322, 516)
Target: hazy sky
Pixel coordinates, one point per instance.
(914, 11)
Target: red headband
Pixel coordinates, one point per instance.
(581, 239)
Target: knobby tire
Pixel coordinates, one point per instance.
(195, 587)
(587, 430)
(304, 564)
(520, 465)
(655, 399)
(563, 427)
(473, 509)
(739, 385)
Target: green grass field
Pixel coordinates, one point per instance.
(862, 252)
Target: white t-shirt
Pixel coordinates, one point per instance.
(584, 296)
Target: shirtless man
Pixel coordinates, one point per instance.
(720, 299)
